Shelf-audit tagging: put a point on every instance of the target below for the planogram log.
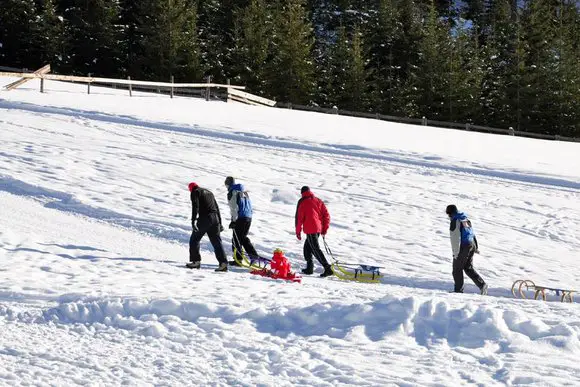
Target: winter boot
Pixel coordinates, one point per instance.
(327, 272)
(222, 267)
(484, 290)
(309, 268)
(233, 263)
(193, 265)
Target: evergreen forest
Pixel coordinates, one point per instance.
(499, 63)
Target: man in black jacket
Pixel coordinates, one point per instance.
(210, 221)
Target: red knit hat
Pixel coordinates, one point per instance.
(192, 186)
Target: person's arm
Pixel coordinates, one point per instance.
(233, 204)
(455, 234)
(194, 207)
(298, 219)
(325, 218)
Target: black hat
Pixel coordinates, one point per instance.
(230, 181)
(451, 209)
(304, 189)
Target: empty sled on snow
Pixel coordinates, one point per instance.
(566, 295)
(354, 271)
(357, 272)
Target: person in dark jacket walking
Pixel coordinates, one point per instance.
(464, 246)
(203, 204)
(312, 217)
(241, 220)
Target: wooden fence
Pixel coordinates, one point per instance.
(229, 92)
(226, 92)
(427, 122)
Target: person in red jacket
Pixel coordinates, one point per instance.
(312, 217)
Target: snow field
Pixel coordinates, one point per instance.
(95, 222)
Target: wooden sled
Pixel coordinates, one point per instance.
(519, 286)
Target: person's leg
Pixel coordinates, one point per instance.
(470, 271)
(236, 245)
(312, 239)
(308, 257)
(458, 266)
(245, 241)
(216, 241)
(194, 255)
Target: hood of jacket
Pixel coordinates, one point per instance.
(459, 216)
(236, 187)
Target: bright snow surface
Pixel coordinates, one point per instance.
(95, 221)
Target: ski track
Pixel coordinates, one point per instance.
(98, 225)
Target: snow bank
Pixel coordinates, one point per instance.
(430, 322)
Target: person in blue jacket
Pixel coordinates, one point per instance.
(464, 246)
(241, 212)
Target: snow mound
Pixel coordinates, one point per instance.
(430, 322)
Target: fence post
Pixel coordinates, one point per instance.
(557, 137)
(424, 121)
(228, 91)
(42, 85)
(130, 87)
(171, 93)
(207, 88)
(511, 130)
(89, 85)
(378, 116)
(468, 127)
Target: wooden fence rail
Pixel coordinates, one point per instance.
(113, 81)
(427, 122)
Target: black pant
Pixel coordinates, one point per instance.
(240, 238)
(464, 262)
(211, 226)
(311, 246)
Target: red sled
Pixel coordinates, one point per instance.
(279, 269)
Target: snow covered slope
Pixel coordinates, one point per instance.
(94, 225)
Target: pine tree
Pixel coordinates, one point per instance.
(216, 31)
(385, 32)
(541, 97)
(252, 36)
(351, 87)
(291, 70)
(50, 36)
(338, 66)
(432, 73)
(17, 32)
(130, 37)
(407, 53)
(92, 30)
(502, 61)
(466, 75)
(168, 44)
(569, 69)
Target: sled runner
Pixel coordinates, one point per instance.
(354, 271)
(518, 287)
(254, 263)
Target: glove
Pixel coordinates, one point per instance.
(232, 224)
(221, 228)
(299, 237)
